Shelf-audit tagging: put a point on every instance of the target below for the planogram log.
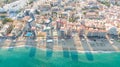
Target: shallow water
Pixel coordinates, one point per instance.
(33, 57)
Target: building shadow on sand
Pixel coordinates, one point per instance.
(69, 49)
(66, 52)
(49, 49)
(101, 44)
(31, 44)
(2, 42)
(86, 48)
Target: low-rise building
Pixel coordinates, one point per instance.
(96, 33)
(17, 29)
(7, 28)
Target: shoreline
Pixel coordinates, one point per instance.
(77, 45)
(45, 49)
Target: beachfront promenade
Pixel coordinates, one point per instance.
(76, 44)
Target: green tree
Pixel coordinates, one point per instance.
(7, 20)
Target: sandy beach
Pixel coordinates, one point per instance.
(74, 44)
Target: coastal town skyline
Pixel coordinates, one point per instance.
(47, 19)
(69, 26)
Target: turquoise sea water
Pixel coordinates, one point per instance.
(33, 57)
